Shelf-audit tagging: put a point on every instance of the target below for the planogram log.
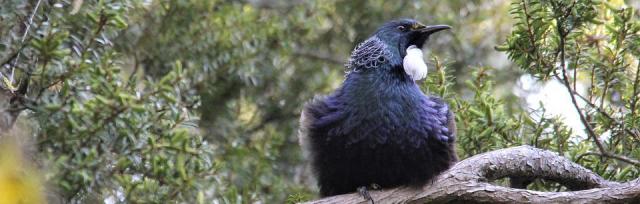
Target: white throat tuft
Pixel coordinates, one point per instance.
(414, 64)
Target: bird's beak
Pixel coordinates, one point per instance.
(428, 30)
(421, 34)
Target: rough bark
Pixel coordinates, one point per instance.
(468, 182)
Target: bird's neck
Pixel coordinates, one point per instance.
(379, 86)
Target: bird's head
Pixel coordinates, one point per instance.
(396, 43)
(401, 34)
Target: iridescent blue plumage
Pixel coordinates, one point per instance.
(378, 127)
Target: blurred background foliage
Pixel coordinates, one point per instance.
(198, 100)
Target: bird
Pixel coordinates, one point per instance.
(378, 129)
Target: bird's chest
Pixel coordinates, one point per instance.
(379, 123)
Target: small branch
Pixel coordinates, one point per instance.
(578, 158)
(61, 78)
(24, 36)
(590, 130)
(531, 35)
(319, 56)
(572, 94)
(606, 115)
(134, 72)
(634, 97)
(612, 156)
(12, 56)
(566, 83)
(565, 80)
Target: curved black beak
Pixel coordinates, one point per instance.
(420, 35)
(428, 30)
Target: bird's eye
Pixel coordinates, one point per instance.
(402, 28)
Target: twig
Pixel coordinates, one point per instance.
(611, 156)
(136, 66)
(565, 80)
(24, 36)
(531, 34)
(61, 78)
(605, 114)
(319, 56)
(634, 97)
(12, 56)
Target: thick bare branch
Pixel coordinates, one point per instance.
(468, 182)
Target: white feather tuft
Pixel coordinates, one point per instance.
(414, 64)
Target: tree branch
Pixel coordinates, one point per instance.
(468, 182)
(566, 82)
(319, 56)
(24, 37)
(607, 115)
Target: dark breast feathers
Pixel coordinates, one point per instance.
(404, 141)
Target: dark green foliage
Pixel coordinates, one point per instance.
(99, 133)
(592, 44)
(198, 101)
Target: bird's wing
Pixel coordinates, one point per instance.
(307, 118)
(445, 117)
(303, 132)
(447, 120)
(451, 124)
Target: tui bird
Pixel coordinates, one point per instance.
(378, 128)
